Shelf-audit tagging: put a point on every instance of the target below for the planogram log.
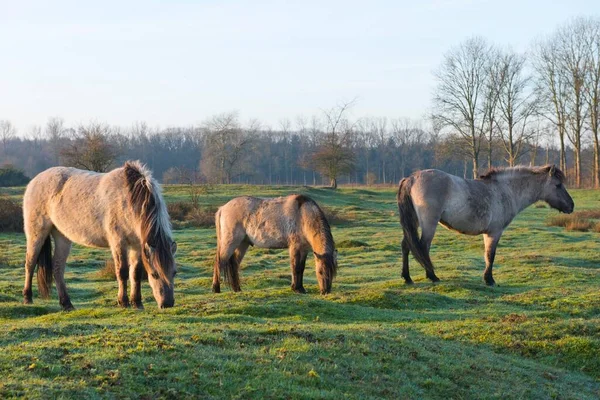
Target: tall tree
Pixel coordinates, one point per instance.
(514, 104)
(591, 36)
(334, 156)
(7, 132)
(90, 148)
(459, 101)
(228, 147)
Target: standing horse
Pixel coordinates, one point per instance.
(473, 207)
(295, 222)
(122, 209)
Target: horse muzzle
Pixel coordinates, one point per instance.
(167, 304)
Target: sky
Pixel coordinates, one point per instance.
(176, 63)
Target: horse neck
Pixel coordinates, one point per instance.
(526, 190)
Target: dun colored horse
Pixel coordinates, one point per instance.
(473, 207)
(122, 209)
(295, 222)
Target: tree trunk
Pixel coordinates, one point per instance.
(596, 162)
(333, 183)
(475, 167)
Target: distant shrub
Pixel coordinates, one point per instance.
(185, 214)
(348, 244)
(108, 271)
(11, 216)
(370, 179)
(11, 176)
(335, 217)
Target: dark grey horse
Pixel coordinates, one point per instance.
(473, 207)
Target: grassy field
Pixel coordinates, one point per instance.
(535, 335)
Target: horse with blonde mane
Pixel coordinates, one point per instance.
(472, 207)
(295, 222)
(123, 210)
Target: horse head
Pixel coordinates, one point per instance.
(554, 191)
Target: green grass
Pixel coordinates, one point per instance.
(535, 335)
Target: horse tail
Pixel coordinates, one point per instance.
(228, 268)
(410, 224)
(44, 272)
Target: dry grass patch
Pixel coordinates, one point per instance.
(580, 221)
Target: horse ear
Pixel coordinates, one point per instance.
(173, 247)
(552, 170)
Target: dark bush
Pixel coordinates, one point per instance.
(11, 216)
(185, 214)
(11, 176)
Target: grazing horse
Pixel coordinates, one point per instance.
(122, 209)
(473, 207)
(295, 222)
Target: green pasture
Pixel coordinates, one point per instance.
(535, 335)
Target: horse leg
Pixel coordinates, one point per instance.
(36, 236)
(491, 242)
(135, 278)
(121, 271)
(428, 228)
(405, 271)
(62, 248)
(298, 264)
(226, 263)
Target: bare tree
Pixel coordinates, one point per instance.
(7, 133)
(490, 105)
(228, 147)
(460, 94)
(591, 36)
(573, 58)
(90, 148)
(514, 104)
(334, 156)
(55, 132)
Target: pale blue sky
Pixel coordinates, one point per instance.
(178, 62)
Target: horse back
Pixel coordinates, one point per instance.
(265, 223)
(459, 204)
(84, 206)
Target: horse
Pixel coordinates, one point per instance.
(295, 222)
(472, 206)
(123, 210)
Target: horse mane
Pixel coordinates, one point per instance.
(324, 231)
(146, 200)
(496, 172)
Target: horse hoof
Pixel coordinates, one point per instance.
(434, 279)
(68, 307)
(27, 301)
(408, 281)
(490, 283)
(216, 289)
(123, 304)
(138, 306)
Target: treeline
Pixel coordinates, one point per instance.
(223, 150)
(491, 107)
